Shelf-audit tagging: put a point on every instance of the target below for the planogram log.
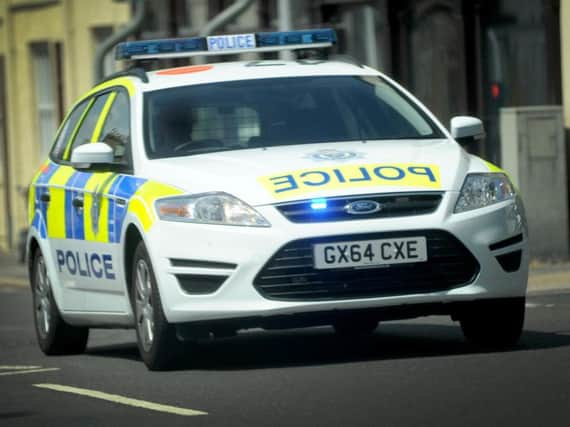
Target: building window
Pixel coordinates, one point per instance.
(169, 18)
(46, 68)
(100, 34)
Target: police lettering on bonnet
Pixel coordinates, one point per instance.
(355, 175)
(266, 194)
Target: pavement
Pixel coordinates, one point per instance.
(543, 275)
(12, 272)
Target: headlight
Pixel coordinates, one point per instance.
(210, 208)
(484, 189)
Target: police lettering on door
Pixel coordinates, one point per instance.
(86, 264)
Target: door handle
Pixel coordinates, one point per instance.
(44, 197)
(77, 202)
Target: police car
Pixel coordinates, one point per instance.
(198, 201)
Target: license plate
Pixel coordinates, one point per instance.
(369, 252)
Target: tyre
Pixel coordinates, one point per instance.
(494, 324)
(53, 334)
(355, 327)
(158, 344)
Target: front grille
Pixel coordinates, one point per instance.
(391, 205)
(290, 275)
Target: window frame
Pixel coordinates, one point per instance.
(52, 154)
(90, 99)
(123, 168)
(93, 100)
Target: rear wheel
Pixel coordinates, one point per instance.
(53, 334)
(495, 323)
(158, 345)
(355, 327)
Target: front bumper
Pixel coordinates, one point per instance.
(240, 253)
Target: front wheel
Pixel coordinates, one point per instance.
(494, 323)
(53, 334)
(158, 345)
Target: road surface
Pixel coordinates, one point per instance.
(408, 373)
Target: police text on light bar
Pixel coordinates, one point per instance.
(226, 44)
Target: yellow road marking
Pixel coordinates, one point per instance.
(122, 400)
(28, 371)
(14, 282)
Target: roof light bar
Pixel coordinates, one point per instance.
(226, 44)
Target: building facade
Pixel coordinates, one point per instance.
(565, 49)
(458, 56)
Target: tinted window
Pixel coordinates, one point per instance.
(282, 111)
(66, 131)
(116, 131)
(89, 122)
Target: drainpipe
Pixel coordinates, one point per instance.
(115, 38)
(225, 16)
(284, 11)
(369, 29)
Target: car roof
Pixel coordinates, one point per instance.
(250, 70)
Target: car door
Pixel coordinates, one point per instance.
(65, 216)
(103, 211)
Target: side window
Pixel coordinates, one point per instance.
(116, 130)
(66, 131)
(88, 124)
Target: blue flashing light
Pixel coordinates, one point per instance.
(226, 44)
(302, 37)
(318, 204)
(157, 48)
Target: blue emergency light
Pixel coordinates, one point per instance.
(319, 204)
(226, 44)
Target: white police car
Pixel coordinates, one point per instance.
(201, 200)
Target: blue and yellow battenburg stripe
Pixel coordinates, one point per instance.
(107, 198)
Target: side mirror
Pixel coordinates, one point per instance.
(466, 130)
(92, 154)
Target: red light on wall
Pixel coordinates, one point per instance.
(495, 90)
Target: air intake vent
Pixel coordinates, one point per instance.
(200, 284)
(510, 262)
(177, 262)
(507, 242)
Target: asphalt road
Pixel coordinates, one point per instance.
(409, 373)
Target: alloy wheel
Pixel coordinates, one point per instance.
(42, 299)
(144, 310)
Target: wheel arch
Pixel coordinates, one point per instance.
(32, 246)
(132, 238)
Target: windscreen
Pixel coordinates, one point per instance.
(258, 113)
